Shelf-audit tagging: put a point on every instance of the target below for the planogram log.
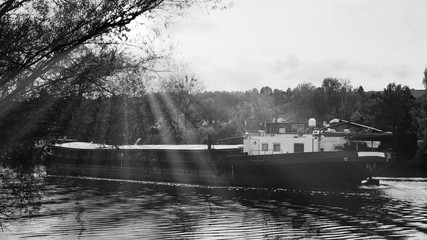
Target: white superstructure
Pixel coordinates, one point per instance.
(280, 143)
(280, 137)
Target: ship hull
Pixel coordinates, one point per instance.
(224, 167)
(307, 169)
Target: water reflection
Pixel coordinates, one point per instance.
(21, 195)
(92, 208)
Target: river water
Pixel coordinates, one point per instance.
(89, 208)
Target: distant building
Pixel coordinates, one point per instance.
(418, 93)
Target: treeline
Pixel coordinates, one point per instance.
(177, 114)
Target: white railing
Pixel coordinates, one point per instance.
(261, 152)
(269, 134)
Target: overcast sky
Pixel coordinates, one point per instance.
(281, 43)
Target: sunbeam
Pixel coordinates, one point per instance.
(185, 128)
(198, 165)
(162, 125)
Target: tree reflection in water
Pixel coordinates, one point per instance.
(21, 184)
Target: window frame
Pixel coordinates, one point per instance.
(297, 147)
(277, 147)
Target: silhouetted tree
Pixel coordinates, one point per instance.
(419, 116)
(266, 91)
(425, 78)
(395, 115)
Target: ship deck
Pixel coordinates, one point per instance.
(184, 147)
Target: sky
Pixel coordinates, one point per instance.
(282, 43)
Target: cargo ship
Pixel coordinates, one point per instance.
(341, 153)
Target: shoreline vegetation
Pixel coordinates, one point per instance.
(178, 116)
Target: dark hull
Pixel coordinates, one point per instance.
(304, 169)
(226, 168)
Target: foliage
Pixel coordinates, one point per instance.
(21, 183)
(48, 31)
(394, 114)
(425, 78)
(419, 116)
(66, 52)
(21, 193)
(68, 69)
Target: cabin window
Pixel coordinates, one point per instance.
(264, 147)
(297, 128)
(276, 147)
(298, 147)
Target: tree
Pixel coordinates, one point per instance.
(209, 111)
(279, 97)
(266, 91)
(179, 92)
(91, 72)
(320, 105)
(179, 108)
(332, 88)
(46, 44)
(301, 100)
(395, 115)
(425, 78)
(331, 85)
(36, 35)
(419, 116)
(49, 31)
(69, 53)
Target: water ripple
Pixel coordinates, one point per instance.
(93, 208)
